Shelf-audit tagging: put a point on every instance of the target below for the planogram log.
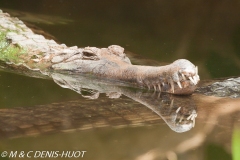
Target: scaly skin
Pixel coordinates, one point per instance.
(174, 78)
(20, 46)
(179, 77)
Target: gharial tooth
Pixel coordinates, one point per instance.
(159, 87)
(178, 109)
(195, 79)
(193, 117)
(172, 86)
(179, 84)
(181, 119)
(193, 125)
(184, 78)
(189, 117)
(191, 79)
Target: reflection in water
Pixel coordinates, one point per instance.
(37, 18)
(178, 112)
(197, 31)
(215, 118)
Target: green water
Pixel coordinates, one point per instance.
(206, 33)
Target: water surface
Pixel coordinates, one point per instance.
(37, 114)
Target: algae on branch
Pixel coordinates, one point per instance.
(10, 52)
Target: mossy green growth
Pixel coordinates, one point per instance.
(236, 143)
(10, 52)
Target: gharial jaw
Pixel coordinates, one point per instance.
(179, 77)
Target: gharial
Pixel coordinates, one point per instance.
(19, 45)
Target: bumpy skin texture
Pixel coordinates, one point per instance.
(179, 77)
(221, 88)
(41, 54)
